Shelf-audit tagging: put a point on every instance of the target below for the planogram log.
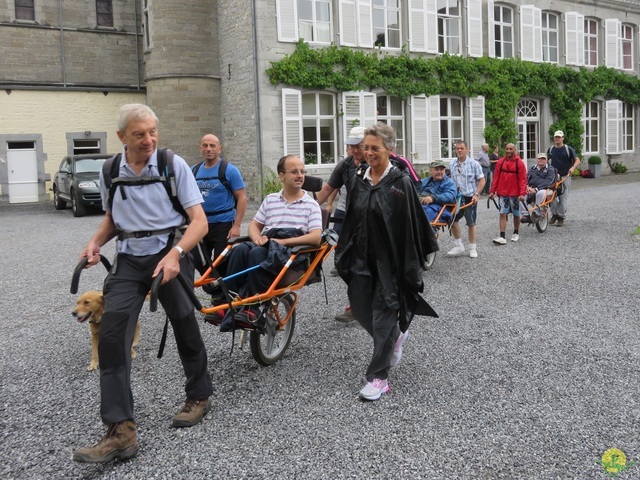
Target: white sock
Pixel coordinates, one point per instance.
(472, 246)
(458, 242)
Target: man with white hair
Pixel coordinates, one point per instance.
(539, 179)
(485, 162)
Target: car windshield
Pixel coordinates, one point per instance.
(89, 165)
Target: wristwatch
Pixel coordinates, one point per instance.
(180, 251)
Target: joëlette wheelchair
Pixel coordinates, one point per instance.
(270, 338)
(443, 222)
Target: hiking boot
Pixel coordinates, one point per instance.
(554, 219)
(560, 222)
(120, 441)
(373, 390)
(456, 251)
(346, 316)
(500, 241)
(192, 413)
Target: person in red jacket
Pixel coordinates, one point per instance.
(510, 183)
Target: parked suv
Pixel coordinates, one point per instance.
(78, 182)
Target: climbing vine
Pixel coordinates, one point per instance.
(502, 82)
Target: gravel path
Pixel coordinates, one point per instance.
(531, 371)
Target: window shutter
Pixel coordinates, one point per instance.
(348, 30)
(612, 28)
(434, 128)
(474, 28)
(612, 111)
(423, 26)
(574, 38)
(419, 130)
(292, 121)
(491, 20)
(530, 33)
(476, 114)
(417, 26)
(287, 20)
(359, 110)
(365, 23)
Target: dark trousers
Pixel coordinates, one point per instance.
(124, 294)
(243, 256)
(379, 322)
(213, 243)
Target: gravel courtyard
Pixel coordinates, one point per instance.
(532, 370)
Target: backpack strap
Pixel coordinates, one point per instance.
(112, 179)
(222, 178)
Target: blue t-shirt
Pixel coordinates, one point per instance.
(219, 203)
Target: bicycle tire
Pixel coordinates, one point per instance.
(268, 346)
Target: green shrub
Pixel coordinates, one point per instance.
(595, 160)
(618, 167)
(271, 183)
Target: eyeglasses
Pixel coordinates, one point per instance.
(374, 149)
(297, 172)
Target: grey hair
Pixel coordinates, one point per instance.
(134, 111)
(384, 132)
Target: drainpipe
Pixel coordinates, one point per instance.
(257, 94)
(135, 22)
(63, 63)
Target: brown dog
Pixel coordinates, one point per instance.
(90, 306)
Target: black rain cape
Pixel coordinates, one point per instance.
(386, 235)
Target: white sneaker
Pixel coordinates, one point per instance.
(473, 253)
(374, 390)
(456, 251)
(515, 237)
(397, 349)
(500, 241)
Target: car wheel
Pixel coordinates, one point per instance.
(78, 209)
(58, 203)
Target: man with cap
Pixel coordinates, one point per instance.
(340, 179)
(565, 161)
(539, 178)
(436, 190)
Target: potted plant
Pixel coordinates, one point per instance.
(595, 165)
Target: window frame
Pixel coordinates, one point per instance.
(318, 118)
(315, 22)
(445, 20)
(392, 119)
(588, 52)
(591, 127)
(503, 26)
(449, 119)
(547, 31)
(627, 127)
(626, 39)
(108, 16)
(24, 10)
(386, 9)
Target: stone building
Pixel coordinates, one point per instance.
(202, 66)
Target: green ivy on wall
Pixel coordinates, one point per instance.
(502, 82)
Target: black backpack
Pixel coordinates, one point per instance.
(222, 177)
(111, 171)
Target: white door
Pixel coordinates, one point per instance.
(23, 175)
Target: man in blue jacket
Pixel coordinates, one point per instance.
(436, 190)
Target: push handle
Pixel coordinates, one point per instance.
(75, 279)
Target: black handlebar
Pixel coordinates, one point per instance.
(153, 299)
(75, 279)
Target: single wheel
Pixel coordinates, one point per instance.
(58, 203)
(78, 209)
(431, 258)
(542, 224)
(269, 346)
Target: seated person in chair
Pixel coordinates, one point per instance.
(285, 219)
(436, 190)
(540, 179)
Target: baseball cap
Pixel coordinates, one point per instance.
(356, 135)
(541, 155)
(438, 163)
(559, 133)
